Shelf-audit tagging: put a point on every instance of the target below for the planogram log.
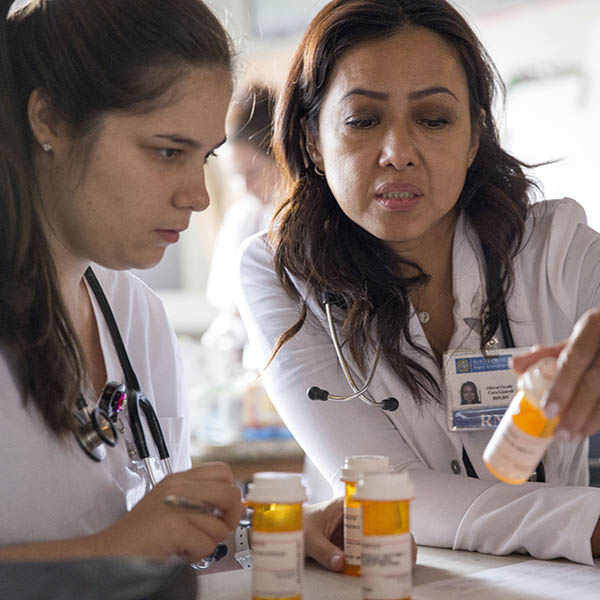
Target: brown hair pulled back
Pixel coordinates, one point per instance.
(251, 117)
(316, 242)
(88, 57)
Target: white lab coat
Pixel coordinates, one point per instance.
(49, 489)
(557, 278)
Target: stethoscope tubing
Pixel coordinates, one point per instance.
(358, 393)
(134, 402)
(135, 397)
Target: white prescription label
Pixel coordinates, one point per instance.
(513, 453)
(277, 564)
(352, 534)
(386, 567)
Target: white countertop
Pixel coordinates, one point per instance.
(433, 564)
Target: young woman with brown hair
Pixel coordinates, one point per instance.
(110, 110)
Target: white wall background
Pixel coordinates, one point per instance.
(548, 53)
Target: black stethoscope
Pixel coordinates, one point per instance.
(316, 393)
(390, 404)
(97, 427)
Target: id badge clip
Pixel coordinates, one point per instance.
(478, 388)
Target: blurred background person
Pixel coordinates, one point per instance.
(257, 180)
(231, 403)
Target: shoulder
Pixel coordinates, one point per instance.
(257, 249)
(561, 250)
(554, 227)
(542, 215)
(257, 268)
(256, 265)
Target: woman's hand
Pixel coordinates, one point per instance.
(156, 530)
(575, 395)
(324, 534)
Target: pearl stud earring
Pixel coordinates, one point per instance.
(46, 147)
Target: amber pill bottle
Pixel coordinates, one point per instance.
(275, 500)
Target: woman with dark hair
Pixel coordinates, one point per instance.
(415, 229)
(110, 110)
(468, 393)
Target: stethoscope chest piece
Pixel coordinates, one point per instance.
(96, 430)
(113, 399)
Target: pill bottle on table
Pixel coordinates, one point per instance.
(524, 433)
(386, 558)
(354, 467)
(277, 543)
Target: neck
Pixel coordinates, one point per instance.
(433, 253)
(434, 301)
(70, 267)
(70, 270)
(72, 286)
(81, 312)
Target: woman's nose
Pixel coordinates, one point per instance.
(399, 148)
(192, 193)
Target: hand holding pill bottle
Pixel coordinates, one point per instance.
(354, 467)
(519, 442)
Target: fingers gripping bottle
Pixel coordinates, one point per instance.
(519, 442)
(354, 467)
(385, 562)
(277, 543)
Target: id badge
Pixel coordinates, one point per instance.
(478, 388)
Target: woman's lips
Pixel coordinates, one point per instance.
(168, 235)
(398, 197)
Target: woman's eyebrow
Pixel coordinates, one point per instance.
(186, 141)
(416, 95)
(363, 92)
(179, 139)
(430, 91)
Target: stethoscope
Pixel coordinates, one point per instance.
(316, 393)
(97, 427)
(390, 404)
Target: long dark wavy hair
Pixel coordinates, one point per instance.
(315, 241)
(88, 57)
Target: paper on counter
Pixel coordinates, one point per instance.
(528, 580)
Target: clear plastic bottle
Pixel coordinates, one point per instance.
(519, 442)
(386, 559)
(277, 543)
(354, 467)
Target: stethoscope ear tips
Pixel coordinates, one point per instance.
(316, 393)
(389, 404)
